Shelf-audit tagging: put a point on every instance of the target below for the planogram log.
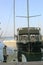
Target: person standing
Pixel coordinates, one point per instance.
(5, 53)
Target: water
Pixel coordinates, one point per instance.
(8, 38)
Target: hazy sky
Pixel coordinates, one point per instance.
(7, 15)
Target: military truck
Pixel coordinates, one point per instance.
(30, 48)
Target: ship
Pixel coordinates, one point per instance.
(30, 48)
(29, 41)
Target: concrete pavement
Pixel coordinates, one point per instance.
(23, 63)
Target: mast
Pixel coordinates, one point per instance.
(0, 27)
(0, 30)
(28, 18)
(14, 19)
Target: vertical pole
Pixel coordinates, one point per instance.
(28, 19)
(14, 19)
